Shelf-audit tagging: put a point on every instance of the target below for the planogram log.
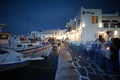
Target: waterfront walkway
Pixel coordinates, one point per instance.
(65, 70)
(73, 66)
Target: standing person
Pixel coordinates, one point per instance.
(114, 48)
(101, 39)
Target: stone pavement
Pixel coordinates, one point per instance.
(73, 66)
(89, 70)
(65, 70)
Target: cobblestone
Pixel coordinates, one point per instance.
(82, 71)
(89, 70)
(93, 76)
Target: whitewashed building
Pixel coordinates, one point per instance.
(90, 23)
(44, 34)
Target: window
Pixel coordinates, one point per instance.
(118, 26)
(19, 45)
(30, 45)
(94, 19)
(112, 25)
(105, 21)
(3, 36)
(115, 21)
(105, 25)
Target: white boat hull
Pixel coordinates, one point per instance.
(10, 59)
(38, 51)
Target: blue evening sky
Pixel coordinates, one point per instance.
(23, 16)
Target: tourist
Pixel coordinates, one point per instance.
(101, 39)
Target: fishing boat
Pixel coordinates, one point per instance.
(10, 59)
(31, 47)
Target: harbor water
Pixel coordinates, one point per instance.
(35, 70)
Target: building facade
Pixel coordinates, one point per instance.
(92, 23)
(45, 34)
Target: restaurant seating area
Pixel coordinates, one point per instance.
(79, 63)
(93, 53)
(91, 64)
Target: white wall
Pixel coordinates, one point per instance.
(90, 30)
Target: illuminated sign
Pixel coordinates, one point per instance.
(88, 12)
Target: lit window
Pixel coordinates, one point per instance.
(4, 36)
(94, 19)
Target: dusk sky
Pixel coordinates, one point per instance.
(23, 16)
